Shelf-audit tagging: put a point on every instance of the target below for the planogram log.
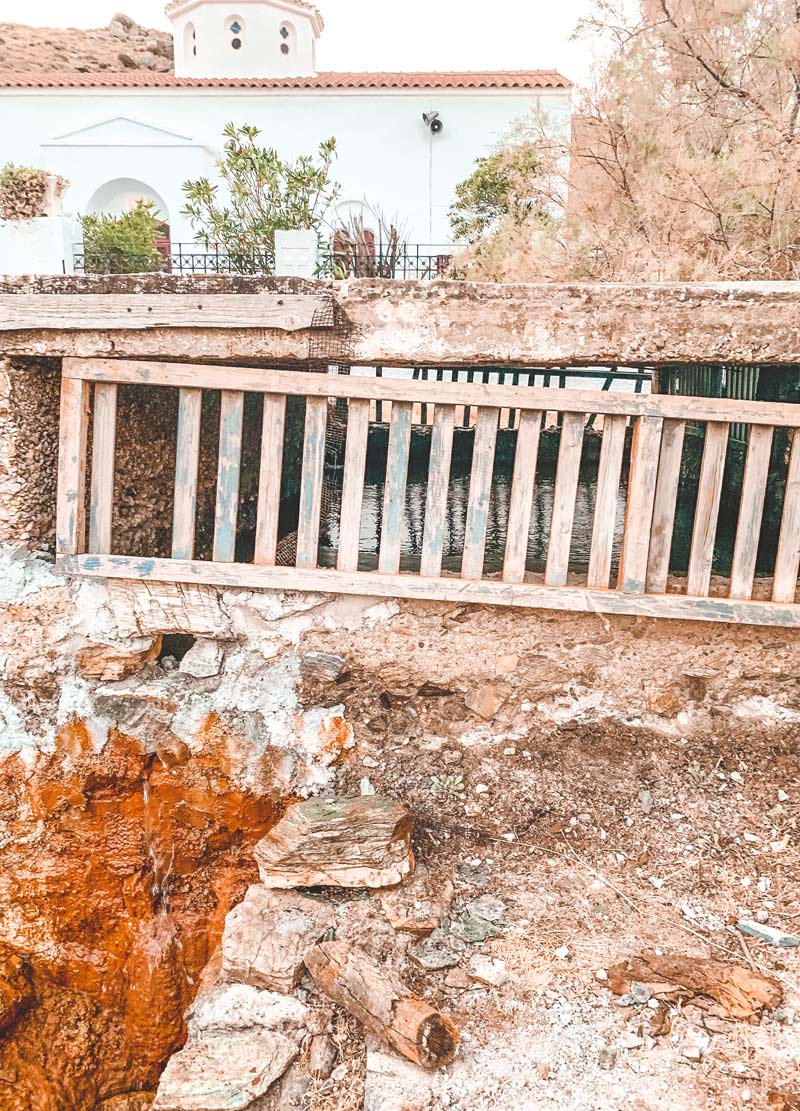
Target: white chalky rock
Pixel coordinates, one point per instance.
(203, 660)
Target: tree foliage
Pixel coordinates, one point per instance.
(685, 153)
(123, 244)
(501, 187)
(259, 193)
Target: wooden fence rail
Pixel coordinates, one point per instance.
(658, 430)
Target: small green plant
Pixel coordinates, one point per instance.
(260, 193)
(448, 785)
(26, 191)
(123, 244)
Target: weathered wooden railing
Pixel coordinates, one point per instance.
(466, 416)
(659, 424)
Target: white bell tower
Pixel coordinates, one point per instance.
(244, 38)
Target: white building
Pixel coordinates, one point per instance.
(120, 136)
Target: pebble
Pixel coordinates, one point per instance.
(458, 978)
(646, 801)
(637, 996)
(563, 953)
(489, 970)
(607, 1058)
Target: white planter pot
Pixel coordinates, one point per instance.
(296, 254)
(39, 246)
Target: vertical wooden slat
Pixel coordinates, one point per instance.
(751, 511)
(311, 481)
(190, 411)
(355, 460)
(605, 509)
(521, 501)
(269, 481)
(566, 489)
(444, 417)
(480, 488)
(787, 561)
(669, 473)
(230, 457)
(707, 509)
(104, 430)
(72, 432)
(642, 480)
(395, 488)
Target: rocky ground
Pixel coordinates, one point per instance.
(603, 834)
(120, 46)
(584, 790)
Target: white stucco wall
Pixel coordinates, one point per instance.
(206, 27)
(38, 246)
(162, 137)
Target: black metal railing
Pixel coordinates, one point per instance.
(411, 261)
(639, 379)
(408, 261)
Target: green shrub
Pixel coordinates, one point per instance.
(123, 244)
(261, 194)
(23, 191)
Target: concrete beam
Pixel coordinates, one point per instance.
(436, 323)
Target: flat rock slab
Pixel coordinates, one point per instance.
(109, 663)
(359, 841)
(418, 906)
(267, 937)
(223, 1073)
(392, 1084)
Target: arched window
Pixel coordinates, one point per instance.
(234, 25)
(190, 39)
(287, 38)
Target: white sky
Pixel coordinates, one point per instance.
(387, 34)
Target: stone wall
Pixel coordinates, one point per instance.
(29, 400)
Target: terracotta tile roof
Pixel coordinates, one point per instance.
(173, 5)
(145, 79)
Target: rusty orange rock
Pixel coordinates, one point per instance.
(115, 881)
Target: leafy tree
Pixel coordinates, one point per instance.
(123, 244)
(684, 162)
(260, 194)
(502, 186)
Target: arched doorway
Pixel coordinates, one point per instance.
(119, 196)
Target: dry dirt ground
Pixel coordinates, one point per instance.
(602, 840)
